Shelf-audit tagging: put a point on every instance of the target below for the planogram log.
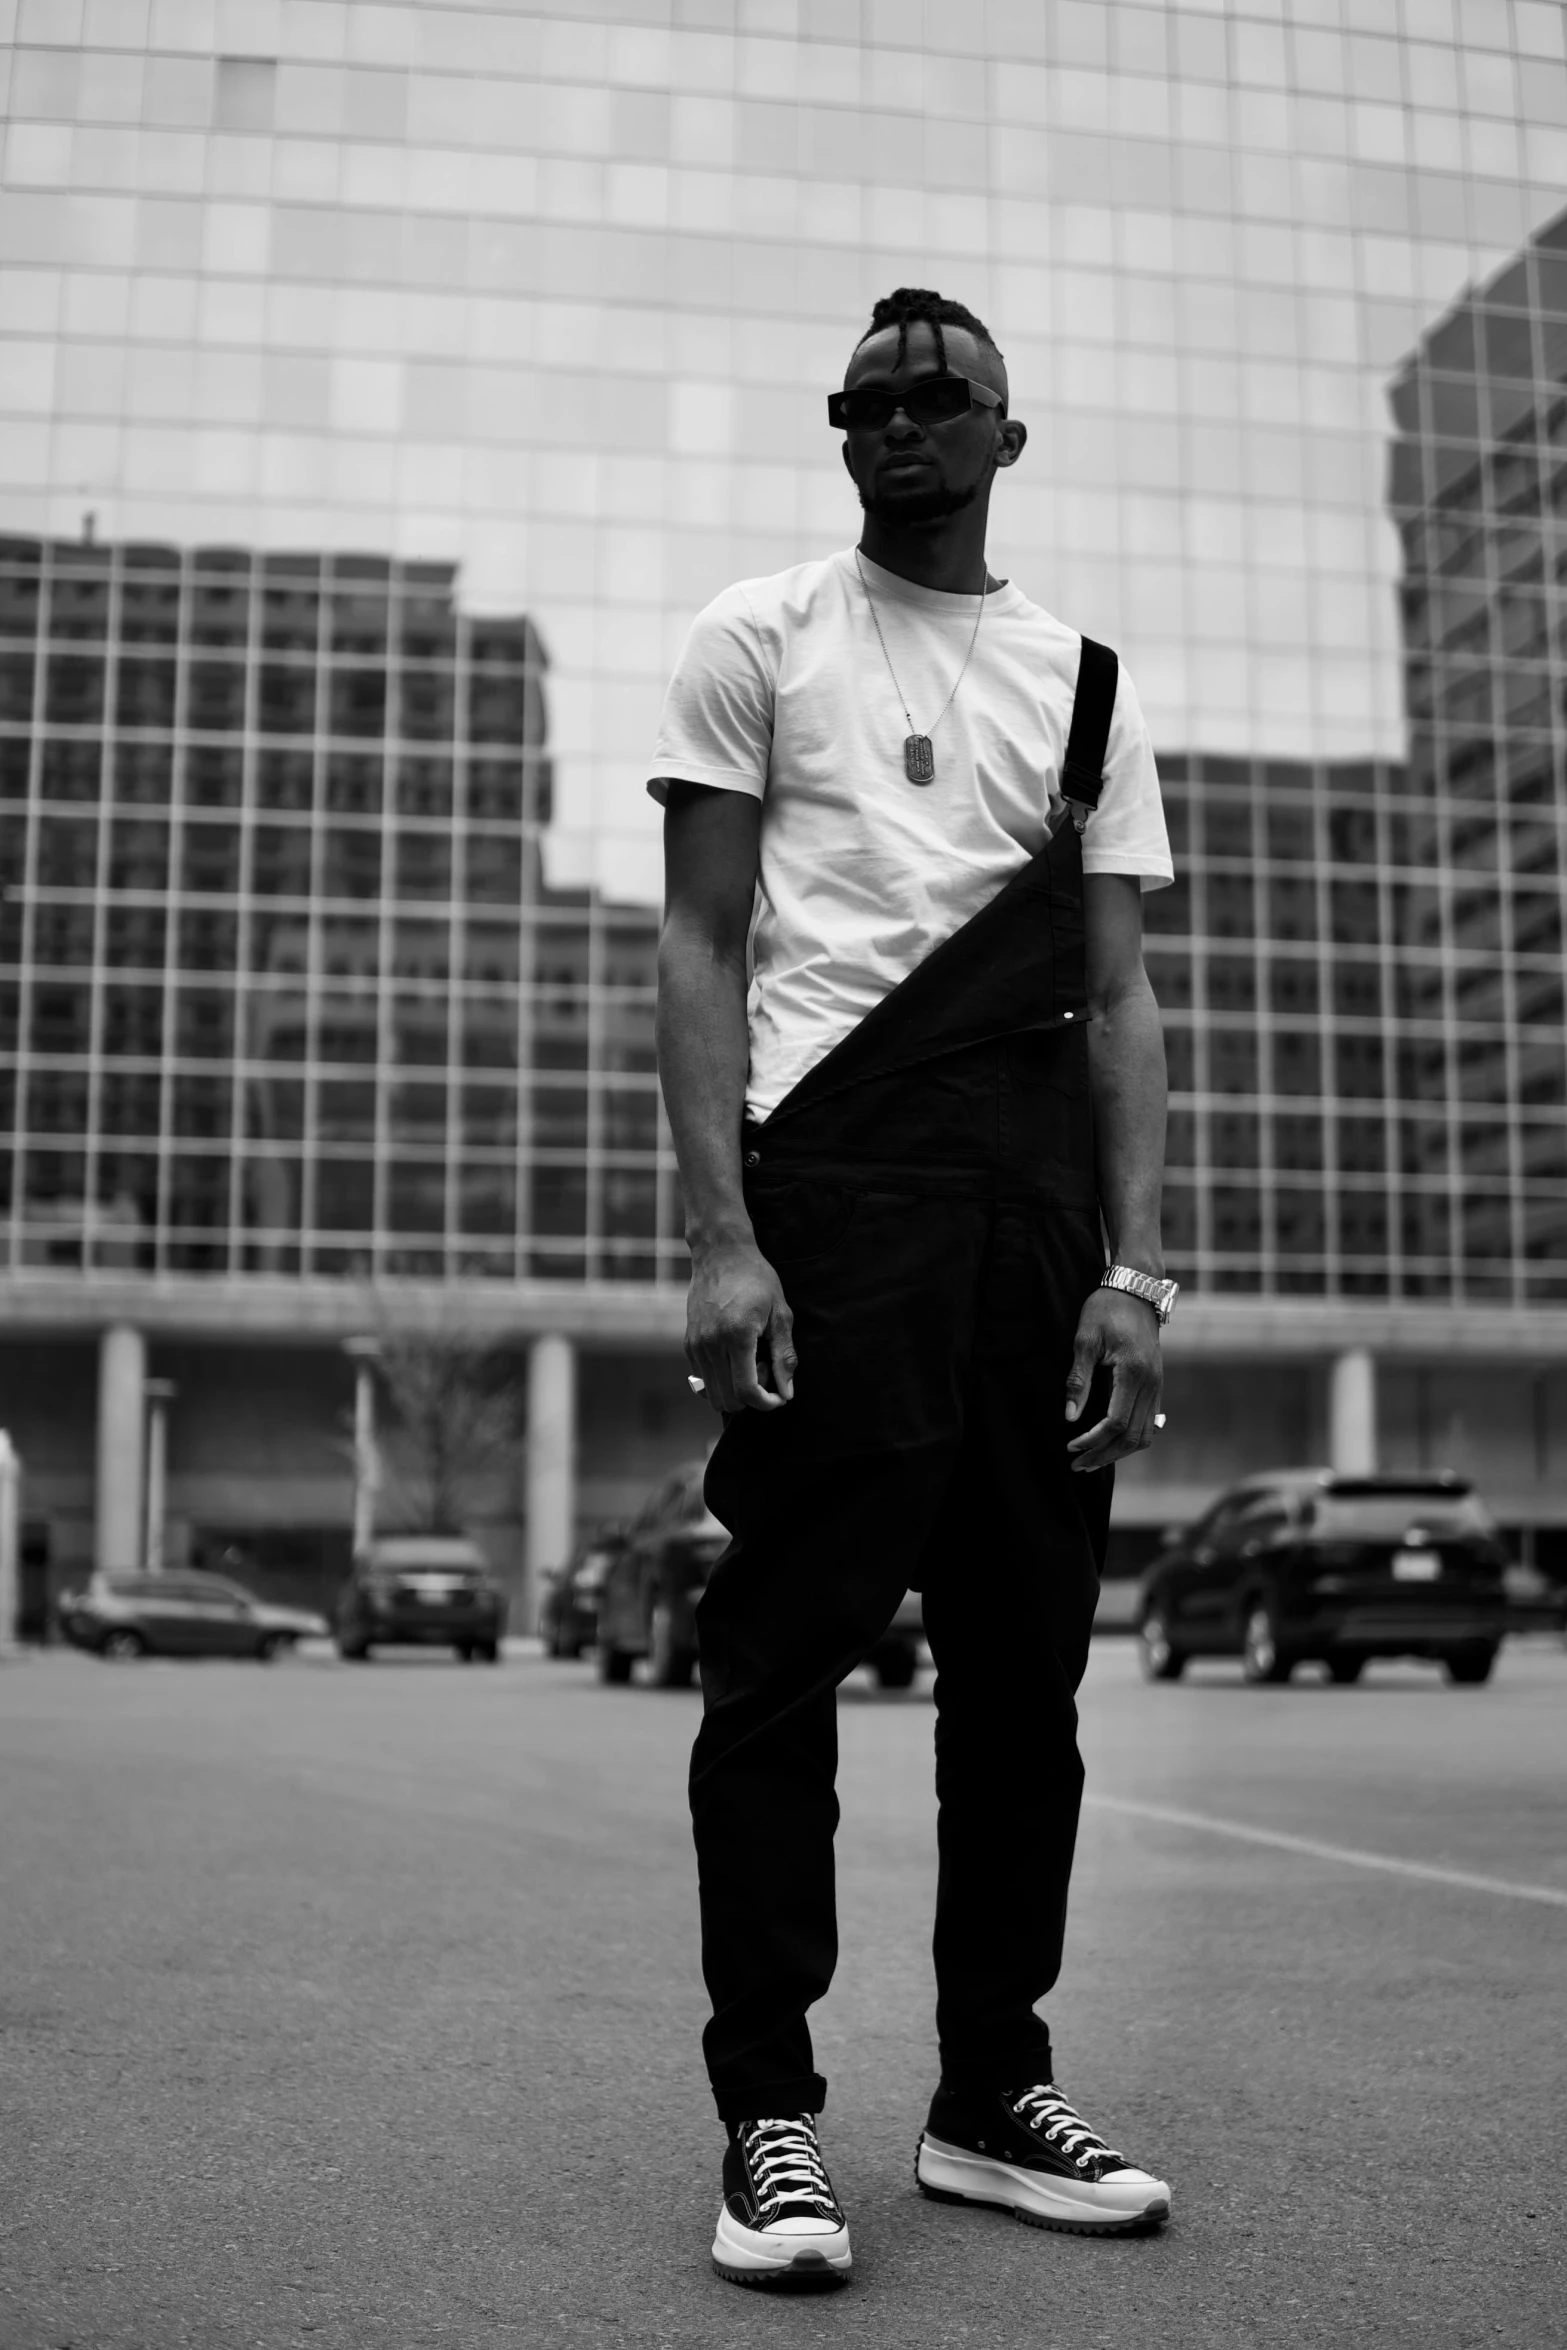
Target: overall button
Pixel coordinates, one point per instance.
(752, 1159)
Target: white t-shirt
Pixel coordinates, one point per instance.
(782, 691)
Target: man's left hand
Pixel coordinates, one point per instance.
(1122, 1332)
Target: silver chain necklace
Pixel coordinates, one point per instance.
(919, 758)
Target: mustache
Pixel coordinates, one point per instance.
(908, 508)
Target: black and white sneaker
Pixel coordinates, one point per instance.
(1030, 2152)
(781, 2223)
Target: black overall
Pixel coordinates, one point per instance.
(926, 1194)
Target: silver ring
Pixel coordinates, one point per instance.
(696, 1385)
(1158, 1419)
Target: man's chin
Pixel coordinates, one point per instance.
(916, 505)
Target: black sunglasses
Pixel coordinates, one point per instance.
(934, 399)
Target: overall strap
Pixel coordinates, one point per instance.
(1082, 771)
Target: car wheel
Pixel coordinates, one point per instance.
(670, 1663)
(1344, 1669)
(354, 1652)
(896, 1666)
(271, 1647)
(615, 1665)
(463, 1651)
(488, 1652)
(1157, 1653)
(1470, 1665)
(122, 1645)
(1263, 1656)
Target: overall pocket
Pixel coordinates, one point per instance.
(799, 1221)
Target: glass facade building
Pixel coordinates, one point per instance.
(282, 988)
(1479, 492)
(545, 300)
(335, 335)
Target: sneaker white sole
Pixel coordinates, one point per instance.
(749, 2256)
(949, 2174)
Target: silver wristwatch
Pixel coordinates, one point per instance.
(1161, 1295)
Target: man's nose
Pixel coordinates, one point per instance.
(901, 426)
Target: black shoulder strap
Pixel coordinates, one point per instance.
(1083, 770)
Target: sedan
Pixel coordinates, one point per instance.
(125, 1616)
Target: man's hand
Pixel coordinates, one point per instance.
(739, 1330)
(1122, 1332)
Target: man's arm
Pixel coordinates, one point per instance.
(1126, 1061)
(736, 1306)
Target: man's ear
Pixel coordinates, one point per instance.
(1011, 440)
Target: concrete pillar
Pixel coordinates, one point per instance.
(10, 1542)
(1352, 1412)
(160, 1394)
(551, 1500)
(363, 1353)
(122, 1374)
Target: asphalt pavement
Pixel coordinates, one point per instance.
(359, 2005)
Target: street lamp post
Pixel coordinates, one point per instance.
(364, 1353)
(160, 1393)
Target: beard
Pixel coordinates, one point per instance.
(913, 509)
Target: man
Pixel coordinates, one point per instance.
(905, 1134)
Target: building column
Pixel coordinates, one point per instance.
(122, 1378)
(1352, 1412)
(551, 1500)
(160, 1393)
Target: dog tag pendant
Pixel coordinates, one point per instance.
(919, 759)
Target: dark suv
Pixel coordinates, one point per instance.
(1301, 1564)
(422, 1591)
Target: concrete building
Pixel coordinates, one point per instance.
(303, 1047)
(299, 1044)
(305, 1024)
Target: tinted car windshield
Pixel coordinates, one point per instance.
(1387, 1517)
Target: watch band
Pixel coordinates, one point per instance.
(1161, 1295)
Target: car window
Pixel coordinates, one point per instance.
(1252, 1518)
(1220, 1519)
(1389, 1517)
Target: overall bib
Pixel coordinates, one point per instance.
(926, 1195)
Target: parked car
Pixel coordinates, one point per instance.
(648, 1595)
(124, 1616)
(1300, 1563)
(421, 1591)
(569, 1614)
(655, 1574)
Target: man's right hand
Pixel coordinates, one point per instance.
(739, 1330)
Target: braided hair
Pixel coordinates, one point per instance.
(908, 306)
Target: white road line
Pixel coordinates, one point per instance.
(1344, 1854)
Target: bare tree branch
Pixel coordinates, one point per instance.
(454, 1410)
